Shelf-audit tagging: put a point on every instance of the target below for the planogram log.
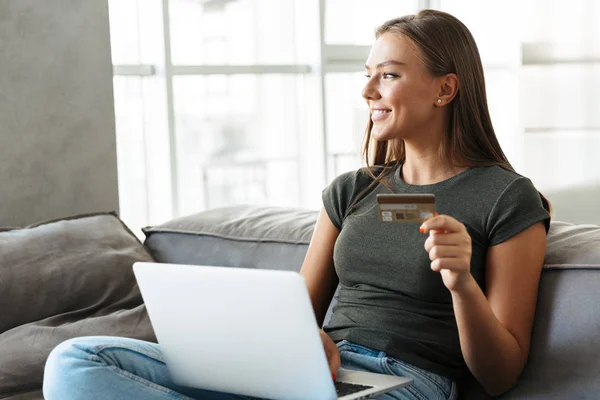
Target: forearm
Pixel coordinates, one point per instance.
(491, 352)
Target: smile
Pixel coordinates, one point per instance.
(378, 115)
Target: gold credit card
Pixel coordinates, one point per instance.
(405, 207)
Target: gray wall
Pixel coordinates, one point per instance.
(57, 130)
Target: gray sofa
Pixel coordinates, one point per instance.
(565, 356)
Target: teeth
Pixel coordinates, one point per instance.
(379, 112)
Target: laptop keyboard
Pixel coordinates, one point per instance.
(343, 388)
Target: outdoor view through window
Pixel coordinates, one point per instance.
(222, 102)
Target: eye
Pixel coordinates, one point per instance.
(367, 75)
(389, 75)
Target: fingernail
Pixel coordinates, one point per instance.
(333, 376)
(422, 230)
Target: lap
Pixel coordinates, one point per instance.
(425, 386)
(145, 360)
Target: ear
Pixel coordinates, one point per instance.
(448, 89)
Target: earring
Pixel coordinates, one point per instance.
(439, 101)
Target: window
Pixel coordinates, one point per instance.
(237, 139)
(222, 102)
(542, 78)
(353, 22)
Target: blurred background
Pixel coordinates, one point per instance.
(222, 102)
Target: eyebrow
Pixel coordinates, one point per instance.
(385, 63)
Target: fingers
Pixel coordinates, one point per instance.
(445, 252)
(448, 245)
(442, 223)
(448, 257)
(445, 239)
(453, 264)
(332, 353)
(335, 362)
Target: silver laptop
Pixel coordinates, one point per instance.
(245, 331)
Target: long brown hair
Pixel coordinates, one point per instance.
(445, 46)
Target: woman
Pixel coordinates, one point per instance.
(466, 303)
(453, 297)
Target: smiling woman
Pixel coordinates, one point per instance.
(399, 90)
(445, 310)
(430, 82)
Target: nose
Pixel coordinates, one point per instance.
(370, 91)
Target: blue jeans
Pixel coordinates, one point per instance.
(95, 368)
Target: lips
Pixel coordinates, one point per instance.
(377, 114)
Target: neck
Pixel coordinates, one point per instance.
(424, 165)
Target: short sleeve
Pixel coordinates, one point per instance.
(518, 207)
(341, 192)
(337, 197)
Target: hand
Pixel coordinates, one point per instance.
(332, 352)
(449, 248)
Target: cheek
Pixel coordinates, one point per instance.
(405, 105)
(398, 97)
(413, 108)
(407, 94)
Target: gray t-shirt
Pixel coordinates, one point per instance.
(389, 298)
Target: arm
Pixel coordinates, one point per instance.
(318, 270)
(494, 331)
(321, 280)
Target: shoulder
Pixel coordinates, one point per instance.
(345, 187)
(503, 183)
(356, 179)
(488, 184)
(515, 203)
(496, 185)
(496, 177)
(343, 190)
(496, 202)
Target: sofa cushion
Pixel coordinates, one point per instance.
(24, 349)
(62, 279)
(34, 395)
(571, 246)
(239, 236)
(65, 265)
(564, 360)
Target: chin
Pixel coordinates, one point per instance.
(381, 135)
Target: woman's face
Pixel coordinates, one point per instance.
(401, 94)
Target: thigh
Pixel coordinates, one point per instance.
(140, 362)
(425, 385)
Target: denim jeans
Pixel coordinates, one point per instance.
(98, 368)
(425, 386)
